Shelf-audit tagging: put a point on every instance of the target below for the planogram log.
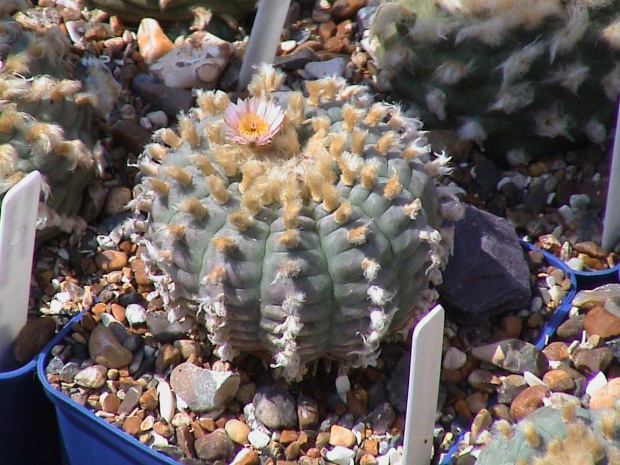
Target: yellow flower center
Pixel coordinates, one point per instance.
(251, 125)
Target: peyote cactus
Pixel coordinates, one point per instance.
(172, 10)
(550, 436)
(538, 76)
(44, 122)
(304, 226)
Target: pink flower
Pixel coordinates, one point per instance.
(253, 121)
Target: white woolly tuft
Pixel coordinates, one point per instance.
(553, 123)
(290, 269)
(432, 29)
(611, 34)
(379, 296)
(471, 129)
(436, 103)
(412, 208)
(564, 40)
(451, 72)
(291, 326)
(293, 302)
(611, 83)
(519, 62)
(596, 131)
(418, 146)
(370, 268)
(288, 358)
(570, 77)
(490, 32)
(513, 98)
(439, 166)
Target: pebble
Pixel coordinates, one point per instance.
(258, 439)
(513, 355)
(149, 400)
(527, 401)
(591, 361)
(238, 431)
(135, 314)
(307, 413)
(167, 356)
(131, 400)
(339, 436)
(105, 349)
(93, 376)
(167, 403)
(214, 446)
(340, 455)
(153, 43)
(601, 322)
(382, 418)
(321, 69)
(606, 396)
(202, 389)
(275, 407)
(197, 62)
(556, 351)
(33, 337)
(110, 260)
(454, 359)
(246, 457)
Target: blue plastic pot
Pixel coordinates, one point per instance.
(592, 279)
(30, 432)
(86, 439)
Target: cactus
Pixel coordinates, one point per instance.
(172, 10)
(44, 122)
(549, 436)
(302, 225)
(537, 76)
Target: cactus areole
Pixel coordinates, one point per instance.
(301, 225)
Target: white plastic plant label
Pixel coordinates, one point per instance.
(17, 233)
(423, 389)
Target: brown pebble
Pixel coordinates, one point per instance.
(481, 422)
(148, 399)
(333, 44)
(527, 401)
(185, 441)
(371, 446)
(340, 436)
(368, 459)
(326, 30)
(288, 435)
(558, 380)
(118, 312)
(167, 356)
(131, 425)
(601, 322)
(357, 402)
(346, 9)
(110, 260)
(139, 272)
(291, 452)
(462, 409)
(511, 326)
(249, 458)
(591, 361)
(99, 308)
(557, 351)
(606, 396)
(590, 248)
(237, 430)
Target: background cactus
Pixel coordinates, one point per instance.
(551, 436)
(172, 10)
(319, 242)
(535, 75)
(45, 122)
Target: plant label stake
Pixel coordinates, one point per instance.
(17, 231)
(424, 371)
(264, 38)
(611, 221)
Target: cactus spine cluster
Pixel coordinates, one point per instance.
(550, 436)
(317, 239)
(45, 121)
(534, 75)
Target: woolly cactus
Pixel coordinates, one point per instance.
(550, 436)
(535, 75)
(44, 122)
(304, 226)
(172, 10)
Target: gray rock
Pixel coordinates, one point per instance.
(571, 329)
(131, 400)
(68, 372)
(106, 350)
(201, 389)
(398, 383)
(598, 297)
(513, 355)
(275, 408)
(382, 418)
(307, 412)
(93, 376)
(511, 387)
(295, 61)
(164, 331)
(488, 273)
(214, 446)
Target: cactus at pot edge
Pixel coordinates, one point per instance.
(550, 436)
(44, 122)
(172, 10)
(304, 225)
(536, 75)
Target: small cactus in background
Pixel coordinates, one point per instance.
(302, 225)
(536, 75)
(45, 122)
(172, 10)
(550, 436)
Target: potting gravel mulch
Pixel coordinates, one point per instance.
(554, 203)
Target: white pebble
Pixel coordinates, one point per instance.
(531, 379)
(343, 386)
(158, 119)
(454, 359)
(135, 314)
(575, 263)
(550, 280)
(579, 202)
(158, 439)
(566, 213)
(596, 383)
(342, 456)
(55, 307)
(166, 401)
(536, 304)
(107, 319)
(556, 293)
(258, 439)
